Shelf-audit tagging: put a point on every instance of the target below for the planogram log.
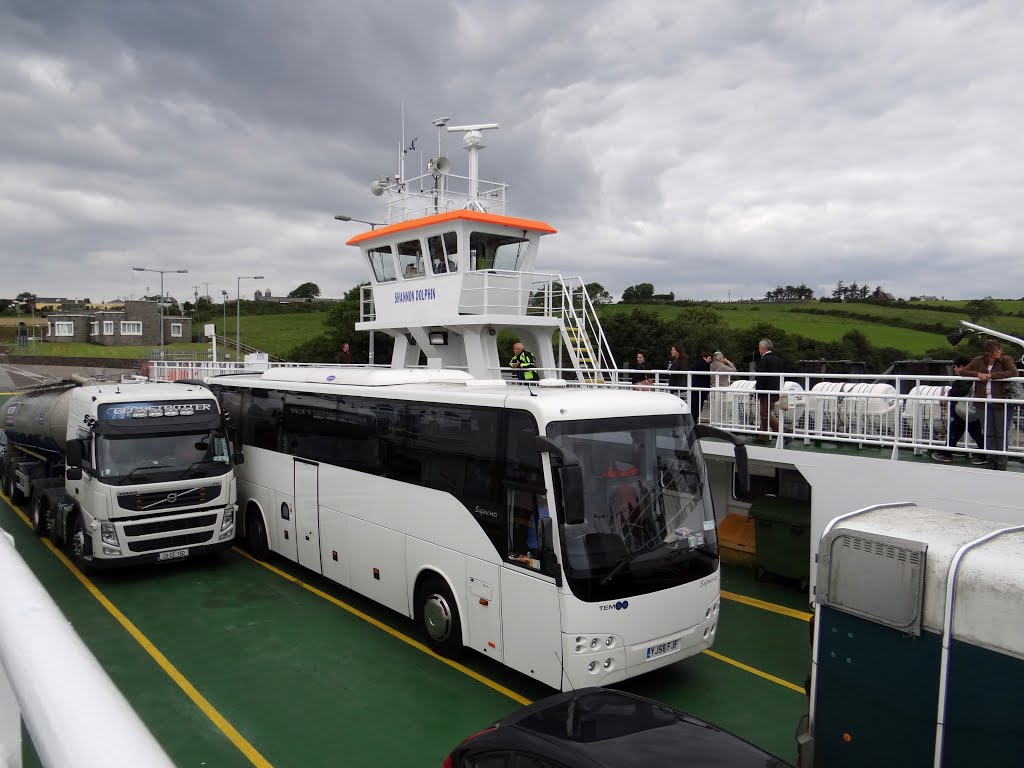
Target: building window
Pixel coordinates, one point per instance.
(108, 327)
(94, 328)
(63, 329)
(131, 328)
(176, 330)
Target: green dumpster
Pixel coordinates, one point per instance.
(783, 537)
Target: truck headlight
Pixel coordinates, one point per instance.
(229, 517)
(108, 535)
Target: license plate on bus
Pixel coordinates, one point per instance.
(174, 554)
(662, 648)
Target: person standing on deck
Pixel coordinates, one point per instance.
(990, 368)
(769, 383)
(678, 362)
(700, 383)
(524, 362)
(344, 356)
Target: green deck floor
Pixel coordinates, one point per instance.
(307, 683)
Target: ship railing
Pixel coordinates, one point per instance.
(418, 196)
(897, 413)
(51, 683)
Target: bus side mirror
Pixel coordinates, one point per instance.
(739, 452)
(572, 494)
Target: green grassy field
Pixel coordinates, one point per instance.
(279, 334)
(276, 334)
(825, 327)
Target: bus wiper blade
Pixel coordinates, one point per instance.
(629, 559)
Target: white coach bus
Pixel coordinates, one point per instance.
(567, 533)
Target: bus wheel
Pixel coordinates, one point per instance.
(40, 512)
(439, 617)
(79, 543)
(255, 534)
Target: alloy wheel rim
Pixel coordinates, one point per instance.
(437, 616)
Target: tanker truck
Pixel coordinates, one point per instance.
(121, 472)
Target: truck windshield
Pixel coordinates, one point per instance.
(131, 460)
(649, 522)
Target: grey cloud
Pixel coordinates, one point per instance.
(707, 148)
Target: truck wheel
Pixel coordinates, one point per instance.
(10, 489)
(40, 514)
(255, 534)
(438, 614)
(80, 544)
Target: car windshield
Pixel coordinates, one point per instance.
(648, 519)
(131, 460)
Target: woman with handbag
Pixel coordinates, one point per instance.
(643, 378)
(963, 416)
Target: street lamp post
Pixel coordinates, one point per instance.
(224, 325)
(161, 272)
(238, 311)
(372, 225)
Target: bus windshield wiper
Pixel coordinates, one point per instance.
(629, 558)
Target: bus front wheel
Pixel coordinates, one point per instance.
(439, 616)
(255, 534)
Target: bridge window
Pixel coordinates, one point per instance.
(382, 262)
(410, 259)
(444, 254)
(504, 252)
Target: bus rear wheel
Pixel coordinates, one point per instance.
(438, 614)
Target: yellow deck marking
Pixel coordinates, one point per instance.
(754, 671)
(752, 601)
(486, 681)
(391, 631)
(172, 672)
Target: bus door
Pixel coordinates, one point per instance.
(530, 625)
(307, 514)
(530, 622)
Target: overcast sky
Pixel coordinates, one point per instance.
(714, 149)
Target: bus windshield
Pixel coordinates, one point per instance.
(131, 460)
(649, 522)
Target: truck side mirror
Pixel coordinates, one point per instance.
(238, 458)
(73, 452)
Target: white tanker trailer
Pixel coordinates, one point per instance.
(121, 472)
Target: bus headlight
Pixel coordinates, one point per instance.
(108, 535)
(229, 517)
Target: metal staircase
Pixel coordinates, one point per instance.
(581, 332)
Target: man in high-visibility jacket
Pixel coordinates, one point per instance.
(524, 362)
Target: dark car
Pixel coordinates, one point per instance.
(603, 728)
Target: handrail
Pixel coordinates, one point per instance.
(66, 698)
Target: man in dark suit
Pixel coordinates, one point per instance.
(769, 383)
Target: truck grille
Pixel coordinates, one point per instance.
(163, 526)
(184, 540)
(155, 501)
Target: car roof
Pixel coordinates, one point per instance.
(612, 728)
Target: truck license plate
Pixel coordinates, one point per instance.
(662, 648)
(177, 554)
